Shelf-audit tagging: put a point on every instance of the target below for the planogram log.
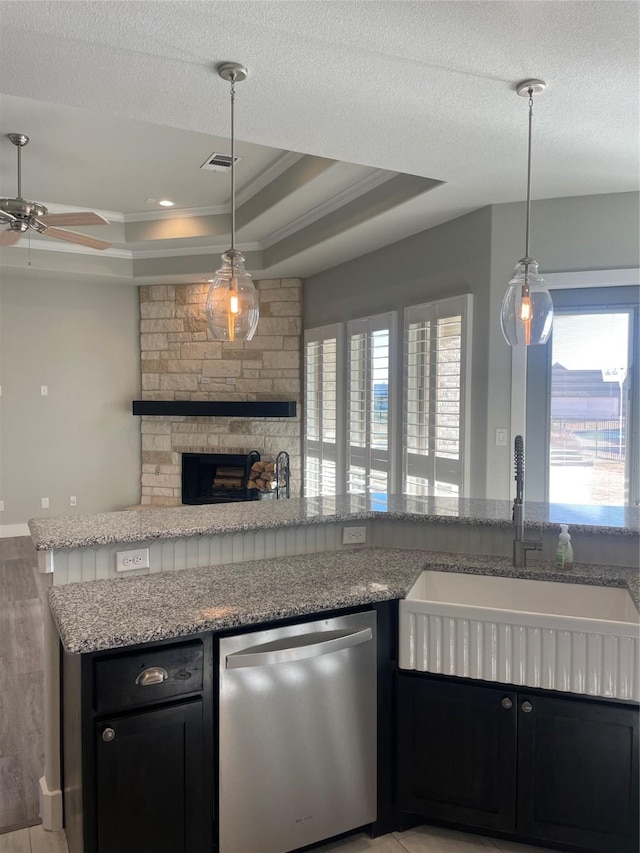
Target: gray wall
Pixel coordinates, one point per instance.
(449, 260)
(82, 341)
(477, 253)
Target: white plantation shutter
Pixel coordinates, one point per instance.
(436, 350)
(369, 404)
(323, 390)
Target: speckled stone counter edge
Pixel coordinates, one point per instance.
(171, 523)
(106, 614)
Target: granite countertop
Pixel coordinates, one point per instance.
(78, 531)
(108, 614)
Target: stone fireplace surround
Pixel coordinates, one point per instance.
(180, 361)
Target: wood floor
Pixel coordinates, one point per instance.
(21, 690)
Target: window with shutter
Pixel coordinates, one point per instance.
(369, 408)
(436, 347)
(322, 370)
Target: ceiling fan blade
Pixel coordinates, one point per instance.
(5, 216)
(9, 237)
(74, 237)
(79, 218)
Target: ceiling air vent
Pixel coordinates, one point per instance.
(218, 162)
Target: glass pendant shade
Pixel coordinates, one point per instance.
(232, 301)
(527, 308)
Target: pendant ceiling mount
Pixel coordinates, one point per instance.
(530, 87)
(232, 72)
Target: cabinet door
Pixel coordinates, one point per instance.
(456, 752)
(578, 773)
(149, 770)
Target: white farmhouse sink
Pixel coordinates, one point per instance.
(558, 636)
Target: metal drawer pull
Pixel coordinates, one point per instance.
(108, 735)
(507, 703)
(152, 675)
(527, 707)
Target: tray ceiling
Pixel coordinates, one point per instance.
(360, 123)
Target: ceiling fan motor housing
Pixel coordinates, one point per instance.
(22, 209)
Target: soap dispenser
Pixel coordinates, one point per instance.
(564, 551)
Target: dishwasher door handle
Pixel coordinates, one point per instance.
(300, 647)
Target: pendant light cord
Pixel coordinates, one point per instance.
(526, 251)
(233, 166)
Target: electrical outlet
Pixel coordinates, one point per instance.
(128, 560)
(44, 503)
(501, 437)
(1, 506)
(354, 535)
(44, 391)
(73, 500)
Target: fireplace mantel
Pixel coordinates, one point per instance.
(216, 408)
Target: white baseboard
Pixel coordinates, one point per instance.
(50, 807)
(7, 530)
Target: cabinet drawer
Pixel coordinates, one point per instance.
(139, 677)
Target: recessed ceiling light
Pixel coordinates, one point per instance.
(164, 202)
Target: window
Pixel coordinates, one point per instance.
(322, 350)
(436, 343)
(354, 441)
(582, 401)
(369, 408)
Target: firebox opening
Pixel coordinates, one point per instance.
(209, 478)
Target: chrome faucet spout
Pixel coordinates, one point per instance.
(520, 544)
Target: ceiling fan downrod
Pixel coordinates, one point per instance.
(19, 140)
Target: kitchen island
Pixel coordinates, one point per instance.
(84, 549)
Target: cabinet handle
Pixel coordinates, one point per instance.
(527, 707)
(152, 675)
(507, 703)
(108, 735)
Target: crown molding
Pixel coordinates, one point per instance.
(51, 245)
(178, 213)
(194, 250)
(365, 185)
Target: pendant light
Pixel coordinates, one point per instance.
(527, 309)
(232, 301)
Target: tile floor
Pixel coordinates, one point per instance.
(422, 839)
(33, 840)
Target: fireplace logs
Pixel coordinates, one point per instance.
(228, 478)
(262, 476)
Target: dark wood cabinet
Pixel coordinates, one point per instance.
(578, 772)
(533, 765)
(138, 749)
(456, 753)
(149, 775)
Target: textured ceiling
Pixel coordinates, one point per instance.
(422, 88)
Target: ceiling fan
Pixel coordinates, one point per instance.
(21, 215)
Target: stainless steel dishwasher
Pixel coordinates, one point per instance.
(297, 734)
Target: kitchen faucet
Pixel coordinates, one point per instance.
(520, 544)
